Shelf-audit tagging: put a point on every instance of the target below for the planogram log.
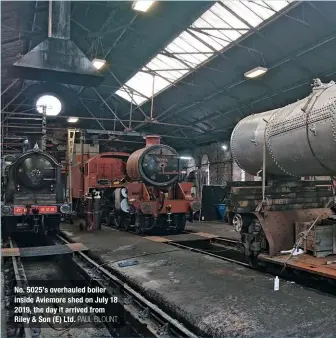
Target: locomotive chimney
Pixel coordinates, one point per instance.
(152, 140)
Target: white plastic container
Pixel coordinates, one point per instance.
(276, 283)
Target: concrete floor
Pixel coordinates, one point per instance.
(218, 298)
(220, 229)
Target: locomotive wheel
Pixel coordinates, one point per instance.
(253, 262)
(181, 224)
(238, 223)
(138, 230)
(112, 220)
(126, 224)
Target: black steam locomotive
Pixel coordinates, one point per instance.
(33, 197)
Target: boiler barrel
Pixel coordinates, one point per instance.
(300, 138)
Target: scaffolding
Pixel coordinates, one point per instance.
(14, 133)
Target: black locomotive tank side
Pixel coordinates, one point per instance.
(34, 197)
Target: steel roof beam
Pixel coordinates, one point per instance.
(109, 108)
(216, 54)
(281, 62)
(93, 118)
(10, 86)
(14, 98)
(271, 43)
(266, 97)
(127, 133)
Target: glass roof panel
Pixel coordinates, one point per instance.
(260, 8)
(127, 96)
(207, 37)
(212, 32)
(243, 11)
(194, 59)
(278, 5)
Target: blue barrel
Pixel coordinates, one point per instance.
(221, 209)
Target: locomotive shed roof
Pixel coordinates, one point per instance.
(201, 92)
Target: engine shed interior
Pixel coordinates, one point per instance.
(205, 127)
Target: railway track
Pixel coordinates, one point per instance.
(219, 249)
(142, 318)
(158, 322)
(26, 273)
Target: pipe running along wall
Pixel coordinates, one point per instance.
(300, 137)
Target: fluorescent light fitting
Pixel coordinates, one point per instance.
(98, 63)
(185, 158)
(256, 72)
(73, 119)
(142, 6)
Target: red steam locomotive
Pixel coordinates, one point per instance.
(139, 191)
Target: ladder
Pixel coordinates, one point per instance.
(70, 152)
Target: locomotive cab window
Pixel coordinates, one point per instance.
(86, 169)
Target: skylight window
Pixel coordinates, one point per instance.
(217, 28)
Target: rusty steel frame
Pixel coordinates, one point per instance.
(278, 226)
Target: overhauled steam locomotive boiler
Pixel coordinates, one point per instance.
(32, 195)
(288, 144)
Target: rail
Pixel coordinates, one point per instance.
(209, 253)
(22, 282)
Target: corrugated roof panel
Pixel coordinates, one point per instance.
(218, 27)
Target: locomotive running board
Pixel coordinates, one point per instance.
(49, 250)
(278, 226)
